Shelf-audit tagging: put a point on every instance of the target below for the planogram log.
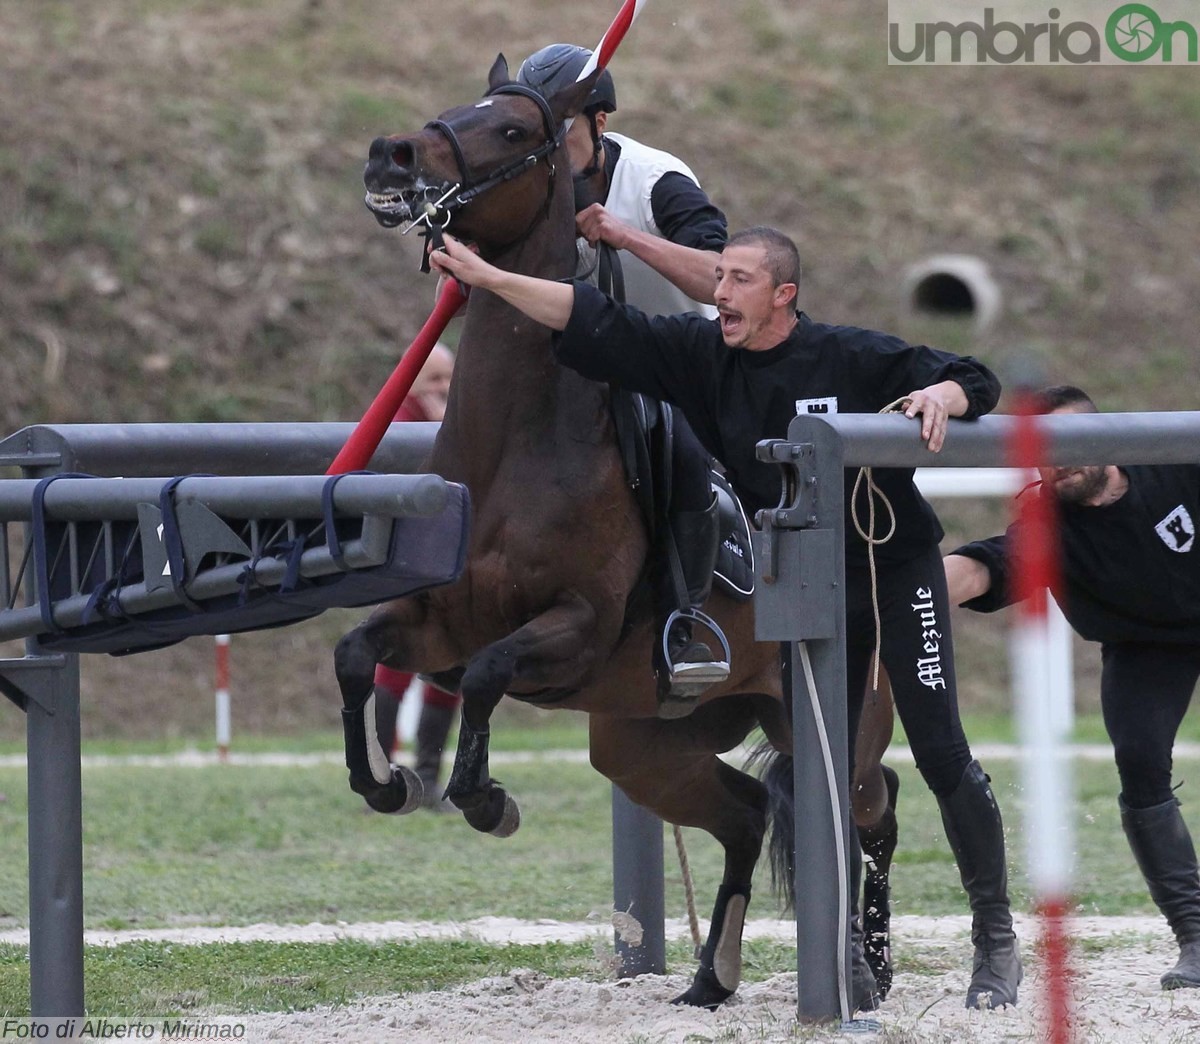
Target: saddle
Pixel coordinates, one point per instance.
(645, 434)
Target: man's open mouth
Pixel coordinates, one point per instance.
(730, 322)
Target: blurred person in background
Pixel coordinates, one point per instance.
(426, 401)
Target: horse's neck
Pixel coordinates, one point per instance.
(508, 388)
(507, 353)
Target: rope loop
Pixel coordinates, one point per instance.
(868, 536)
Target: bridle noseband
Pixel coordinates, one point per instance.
(437, 214)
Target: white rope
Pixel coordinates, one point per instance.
(689, 889)
(871, 540)
(835, 806)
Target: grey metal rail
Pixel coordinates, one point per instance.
(227, 449)
(260, 496)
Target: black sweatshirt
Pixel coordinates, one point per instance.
(734, 397)
(1131, 569)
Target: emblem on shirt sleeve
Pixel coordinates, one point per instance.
(827, 404)
(1177, 530)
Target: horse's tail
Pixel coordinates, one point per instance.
(776, 776)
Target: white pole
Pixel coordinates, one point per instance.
(222, 697)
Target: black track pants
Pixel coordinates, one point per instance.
(1145, 689)
(918, 652)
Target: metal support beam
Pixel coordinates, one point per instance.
(51, 685)
(801, 600)
(894, 441)
(638, 885)
(134, 450)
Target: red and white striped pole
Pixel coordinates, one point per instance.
(613, 35)
(1043, 723)
(222, 697)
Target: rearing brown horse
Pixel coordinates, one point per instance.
(552, 607)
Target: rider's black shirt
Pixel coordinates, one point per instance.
(734, 397)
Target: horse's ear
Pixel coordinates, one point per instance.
(498, 74)
(569, 101)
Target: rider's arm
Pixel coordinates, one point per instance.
(693, 234)
(693, 271)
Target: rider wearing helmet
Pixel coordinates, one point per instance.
(648, 205)
(644, 202)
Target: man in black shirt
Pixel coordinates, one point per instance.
(1131, 581)
(741, 378)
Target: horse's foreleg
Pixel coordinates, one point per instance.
(548, 650)
(671, 767)
(384, 788)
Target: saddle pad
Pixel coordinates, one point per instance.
(735, 552)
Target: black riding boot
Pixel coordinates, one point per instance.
(879, 845)
(864, 990)
(976, 835)
(1164, 852)
(432, 730)
(685, 664)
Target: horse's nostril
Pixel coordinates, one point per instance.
(402, 154)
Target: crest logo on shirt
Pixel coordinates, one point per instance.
(1177, 530)
(827, 404)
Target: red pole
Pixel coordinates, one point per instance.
(363, 441)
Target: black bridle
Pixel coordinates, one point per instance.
(437, 215)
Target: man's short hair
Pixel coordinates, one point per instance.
(1059, 395)
(783, 259)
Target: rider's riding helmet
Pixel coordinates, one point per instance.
(559, 65)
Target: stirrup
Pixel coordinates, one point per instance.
(680, 685)
(704, 673)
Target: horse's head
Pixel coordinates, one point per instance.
(500, 148)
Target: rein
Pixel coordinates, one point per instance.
(437, 215)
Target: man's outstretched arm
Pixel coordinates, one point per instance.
(543, 300)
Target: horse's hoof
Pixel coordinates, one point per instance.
(704, 992)
(400, 796)
(490, 811)
(510, 819)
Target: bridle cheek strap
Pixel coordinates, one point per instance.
(436, 222)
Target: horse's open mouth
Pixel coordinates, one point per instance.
(392, 208)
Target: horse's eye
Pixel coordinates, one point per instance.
(514, 135)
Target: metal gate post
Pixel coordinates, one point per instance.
(46, 687)
(800, 599)
(638, 885)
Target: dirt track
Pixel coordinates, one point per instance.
(1117, 961)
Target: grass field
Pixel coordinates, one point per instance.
(241, 844)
